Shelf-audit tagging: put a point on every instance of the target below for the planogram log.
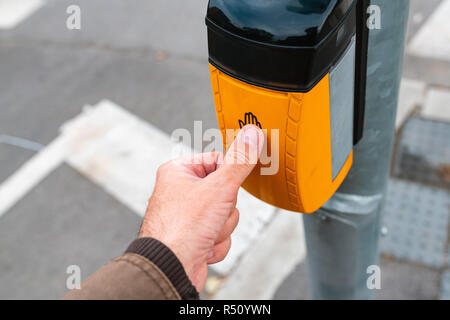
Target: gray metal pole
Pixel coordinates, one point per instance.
(342, 237)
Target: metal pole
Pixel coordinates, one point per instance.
(342, 237)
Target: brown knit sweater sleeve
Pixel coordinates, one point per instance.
(147, 271)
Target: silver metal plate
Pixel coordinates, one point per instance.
(342, 88)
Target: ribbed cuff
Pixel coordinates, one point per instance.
(167, 262)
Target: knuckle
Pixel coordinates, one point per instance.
(237, 215)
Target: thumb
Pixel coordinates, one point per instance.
(243, 155)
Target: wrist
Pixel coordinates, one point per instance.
(169, 243)
(167, 261)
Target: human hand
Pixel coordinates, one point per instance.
(193, 206)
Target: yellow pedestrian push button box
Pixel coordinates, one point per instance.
(292, 66)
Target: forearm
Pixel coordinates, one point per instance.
(148, 270)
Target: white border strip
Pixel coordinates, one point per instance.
(31, 173)
(264, 267)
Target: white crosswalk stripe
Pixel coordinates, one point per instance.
(274, 256)
(433, 39)
(13, 12)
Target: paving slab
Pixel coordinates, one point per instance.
(417, 219)
(411, 97)
(433, 39)
(437, 105)
(423, 152)
(421, 67)
(402, 280)
(420, 11)
(399, 281)
(431, 71)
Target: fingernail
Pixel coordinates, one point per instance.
(210, 254)
(250, 136)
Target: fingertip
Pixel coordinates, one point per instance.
(253, 136)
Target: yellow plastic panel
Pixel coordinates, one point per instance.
(303, 182)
